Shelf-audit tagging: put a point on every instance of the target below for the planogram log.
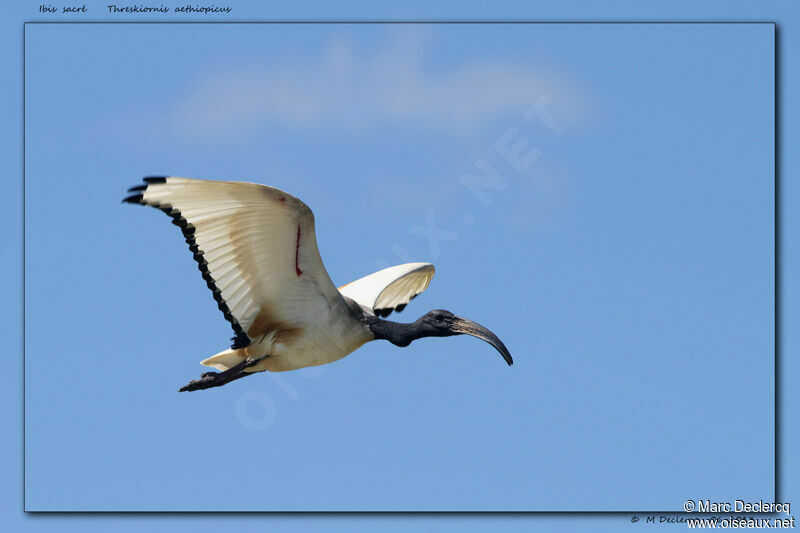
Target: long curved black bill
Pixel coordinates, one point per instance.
(462, 325)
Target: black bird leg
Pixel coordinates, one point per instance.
(218, 379)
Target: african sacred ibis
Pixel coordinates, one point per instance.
(257, 250)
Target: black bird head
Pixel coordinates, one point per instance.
(441, 323)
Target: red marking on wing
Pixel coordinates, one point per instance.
(281, 199)
(297, 253)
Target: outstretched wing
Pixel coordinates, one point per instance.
(390, 289)
(255, 246)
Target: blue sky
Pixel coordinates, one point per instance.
(628, 265)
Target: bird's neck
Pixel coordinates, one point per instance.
(397, 333)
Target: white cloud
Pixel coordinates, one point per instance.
(358, 89)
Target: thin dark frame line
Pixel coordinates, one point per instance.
(399, 21)
(587, 514)
(778, 449)
(778, 453)
(24, 300)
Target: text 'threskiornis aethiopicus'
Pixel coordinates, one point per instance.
(257, 250)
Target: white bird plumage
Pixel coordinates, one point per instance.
(256, 247)
(391, 288)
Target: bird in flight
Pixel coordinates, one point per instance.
(257, 250)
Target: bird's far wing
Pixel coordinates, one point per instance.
(255, 246)
(390, 289)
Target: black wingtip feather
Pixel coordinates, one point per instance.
(133, 199)
(240, 340)
(137, 198)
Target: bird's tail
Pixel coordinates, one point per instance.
(226, 359)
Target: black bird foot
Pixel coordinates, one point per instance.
(217, 379)
(206, 381)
